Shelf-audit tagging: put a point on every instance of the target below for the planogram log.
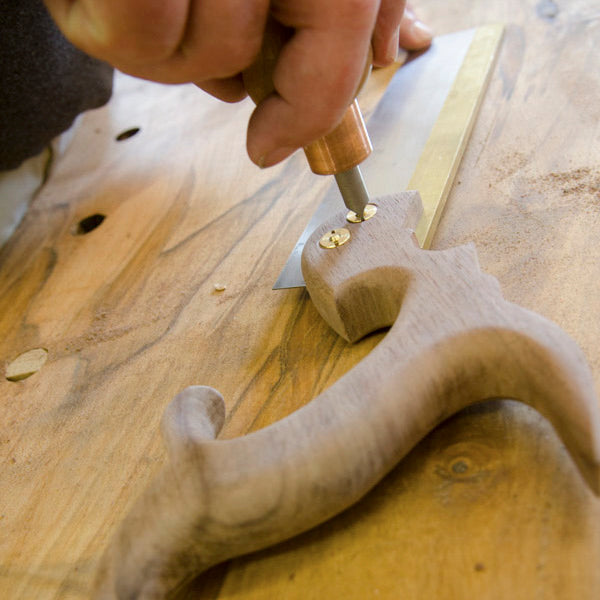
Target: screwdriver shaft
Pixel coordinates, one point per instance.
(353, 190)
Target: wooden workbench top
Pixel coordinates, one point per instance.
(487, 506)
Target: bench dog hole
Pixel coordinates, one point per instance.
(26, 364)
(128, 133)
(89, 224)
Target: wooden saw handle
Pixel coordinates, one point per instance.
(454, 342)
(340, 150)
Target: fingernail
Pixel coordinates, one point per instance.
(421, 34)
(275, 156)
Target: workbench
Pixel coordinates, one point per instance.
(145, 265)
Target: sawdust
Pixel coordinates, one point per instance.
(576, 191)
(536, 228)
(515, 176)
(509, 165)
(575, 181)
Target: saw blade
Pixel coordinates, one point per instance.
(449, 78)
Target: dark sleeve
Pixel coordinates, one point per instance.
(45, 82)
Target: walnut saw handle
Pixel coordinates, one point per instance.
(454, 342)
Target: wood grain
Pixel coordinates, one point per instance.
(489, 505)
(504, 526)
(453, 342)
(129, 315)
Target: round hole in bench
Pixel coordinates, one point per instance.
(89, 224)
(26, 364)
(125, 135)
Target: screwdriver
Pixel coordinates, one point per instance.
(340, 152)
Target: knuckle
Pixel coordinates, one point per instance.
(238, 41)
(237, 54)
(121, 47)
(360, 9)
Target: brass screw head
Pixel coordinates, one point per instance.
(370, 210)
(335, 238)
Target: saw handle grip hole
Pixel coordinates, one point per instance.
(128, 133)
(89, 224)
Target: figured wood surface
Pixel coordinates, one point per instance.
(488, 506)
(453, 342)
(130, 316)
(478, 510)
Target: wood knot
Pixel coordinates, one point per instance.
(465, 469)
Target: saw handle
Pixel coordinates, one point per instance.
(454, 341)
(344, 147)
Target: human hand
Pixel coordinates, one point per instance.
(210, 42)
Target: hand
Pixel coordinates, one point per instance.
(319, 69)
(210, 42)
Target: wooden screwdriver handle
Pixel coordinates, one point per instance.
(454, 342)
(344, 147)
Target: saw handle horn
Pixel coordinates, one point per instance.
(340, 150)
(454, 342)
